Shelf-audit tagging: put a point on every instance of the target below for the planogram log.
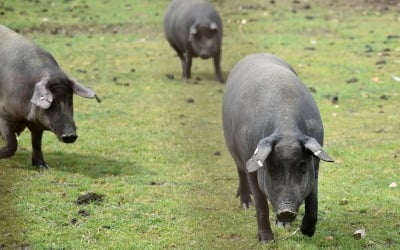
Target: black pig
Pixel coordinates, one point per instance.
(194, 29)
(34, 93)
(274, 133)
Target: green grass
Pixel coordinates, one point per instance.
(161, 161)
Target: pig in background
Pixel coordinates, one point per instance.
(34, 93)
(194, 29)
(274, 133)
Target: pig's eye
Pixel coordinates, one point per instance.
(302, 167)
(197, 36)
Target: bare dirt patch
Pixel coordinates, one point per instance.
(89, 198)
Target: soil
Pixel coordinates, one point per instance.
(89, 198)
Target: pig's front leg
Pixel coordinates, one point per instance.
(187, 66)
(37, 154)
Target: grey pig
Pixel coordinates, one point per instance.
(274, 133)
(34, 93)
(194, 29)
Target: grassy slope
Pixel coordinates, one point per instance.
(154, 155)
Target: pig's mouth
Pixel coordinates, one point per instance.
(204, 56)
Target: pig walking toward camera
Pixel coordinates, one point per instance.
(194, 29)
(34, 93)
(274, 133)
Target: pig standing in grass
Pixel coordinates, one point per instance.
(274, 133)
(34, 93)
(193, 28)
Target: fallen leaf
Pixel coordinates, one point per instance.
(359, 234)
(376, 79)
(396, 78)
(370, 244)
(157, 183)
(352, 80)
(384, 97)
(381, 130)
(189, 100)
(393, 37)
(170, 76)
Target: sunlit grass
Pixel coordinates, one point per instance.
(154, 146)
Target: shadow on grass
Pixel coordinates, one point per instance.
(197, 77)
(88, 165)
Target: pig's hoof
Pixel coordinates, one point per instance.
(307, 230)
(245, 201)
(187, 79)
(246, 205)
(40, 165)
(265, 237)
(308, 226)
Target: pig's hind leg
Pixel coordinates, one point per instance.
(10, 139)
(217, 67)
(243, 189)
(181, 57)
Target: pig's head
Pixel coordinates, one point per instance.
(205, 38)
(287, 168)
(52, 107)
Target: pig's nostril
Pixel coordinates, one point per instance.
(69, 138)
(286, 216)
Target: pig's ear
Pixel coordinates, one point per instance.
(264, 148)
(83, 91)
(42, 97)
(317, 150)
(213, 26)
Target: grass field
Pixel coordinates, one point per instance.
(154, 147)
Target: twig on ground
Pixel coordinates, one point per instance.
(290, 235)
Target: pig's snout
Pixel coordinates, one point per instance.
(286, 215)
(69, 138)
